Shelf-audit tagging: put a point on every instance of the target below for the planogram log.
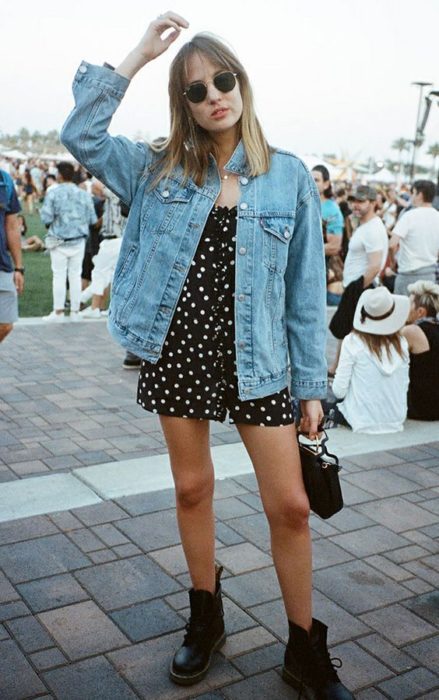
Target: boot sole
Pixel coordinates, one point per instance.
(305, 692)
(190, 680)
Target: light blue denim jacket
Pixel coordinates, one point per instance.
(280, 311)
(69, 212)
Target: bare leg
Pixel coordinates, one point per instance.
(5, 329)
(188, 445)
(275, 457)
(333, 367)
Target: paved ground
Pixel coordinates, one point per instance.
(93, 599)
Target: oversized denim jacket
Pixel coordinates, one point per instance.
(280, 306)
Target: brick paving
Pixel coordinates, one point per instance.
(93, 601)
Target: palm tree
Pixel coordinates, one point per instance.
(433, 151)
(401, 145)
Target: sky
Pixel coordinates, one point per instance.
(328, 76)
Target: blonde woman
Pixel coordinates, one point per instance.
(220, 289)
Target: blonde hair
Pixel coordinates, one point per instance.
(378, 344)
(425, 294)
(188, 144)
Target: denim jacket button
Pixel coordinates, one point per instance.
(243, 180)
(82, 68)
(165, 193)
(241, 344)
(242, 251)
(241, 297)
(287, 233)
(243, 205)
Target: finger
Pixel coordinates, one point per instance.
(181, 21)
(171, 37)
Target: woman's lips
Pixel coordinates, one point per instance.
(219, 113)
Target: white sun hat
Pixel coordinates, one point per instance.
(381, 313)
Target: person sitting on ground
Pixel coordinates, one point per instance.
(422, 334)
(373, 372)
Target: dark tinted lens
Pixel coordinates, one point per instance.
(224, 81)
(196, 92)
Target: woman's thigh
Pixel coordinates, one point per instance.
(275, 457)
(187, 440)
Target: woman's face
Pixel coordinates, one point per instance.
(220, 111)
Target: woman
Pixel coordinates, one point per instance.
(213, 339)
(373, 372)
(29, 191)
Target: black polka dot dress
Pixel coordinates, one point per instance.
(196, 375)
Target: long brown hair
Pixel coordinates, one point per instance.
(378, 344)
(188, 144)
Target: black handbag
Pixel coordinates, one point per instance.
(320, 475)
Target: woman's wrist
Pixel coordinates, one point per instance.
(132, 64)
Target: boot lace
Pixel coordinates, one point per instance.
(194, 629)
(325, 669)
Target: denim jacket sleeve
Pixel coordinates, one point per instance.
(116, 161)
(305, 281)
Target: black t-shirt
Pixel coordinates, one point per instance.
(423, 394)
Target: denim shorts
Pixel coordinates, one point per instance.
(8, 298)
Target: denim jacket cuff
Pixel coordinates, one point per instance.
(103, 77)
(309, 390)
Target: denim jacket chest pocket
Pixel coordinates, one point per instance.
(277, 232)
(164, 206)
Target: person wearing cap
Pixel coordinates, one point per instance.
(416, 238)
(372, 376)
(422, 334)
(366, 257)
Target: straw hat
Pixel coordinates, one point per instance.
(381, 313)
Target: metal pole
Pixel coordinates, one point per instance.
(421, 84)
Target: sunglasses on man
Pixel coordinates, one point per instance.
(224, 82)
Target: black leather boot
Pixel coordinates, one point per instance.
(308, 667)
(204, 634)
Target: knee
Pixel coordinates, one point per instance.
(190, 493)
(290, 512)
(5, 329)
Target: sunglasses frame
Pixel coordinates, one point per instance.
(201, 82)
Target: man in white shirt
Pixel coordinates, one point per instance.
(416, 238)
(366, 257)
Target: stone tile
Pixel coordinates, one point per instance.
(52, 592)
(102, 556)
(110, 535)
(104, 512)
(423, 571)
(398, 625)
(152, 531)
(397, 514)
(370, 540)
(264, 685)
(376, 460)
(63, 462)
(148, 502)
(358, 587)
(253, 528)
(342, 626)
(147, 620)
(25, 529)
(92, 679)
(4, 634)
(404, 554)
(126, 550)
(352, 495)
(396, 659)
(432, 505)
(82, 630)
(235, 618)
(409, 685)
(260, 660)
(426, 652)
(360, 668)
(369, 694)
(253, 588)
(8, 611)
(66, 521)
(321, 527)
(145, 666)
(246, 641)
(381, 482)
(326, 553)
(243, 557)
(171, 559)
(49, 658)
(226, 488)
(417, 585)
(388, 568)
(420, 475)
(7, 592)
(126, 581)
(35, 466)
(30, 635)
(86, 540)
(227, 535)
(17, 678)
(249, 481)
(227, 508)
(25, 561)
(426, 606)
(272, 615)
(409, 454)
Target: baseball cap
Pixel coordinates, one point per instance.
(364, 192)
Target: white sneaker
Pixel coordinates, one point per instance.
(90, 313)
(74, 316)
(53, 317)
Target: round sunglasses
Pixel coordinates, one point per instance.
(224, 82)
